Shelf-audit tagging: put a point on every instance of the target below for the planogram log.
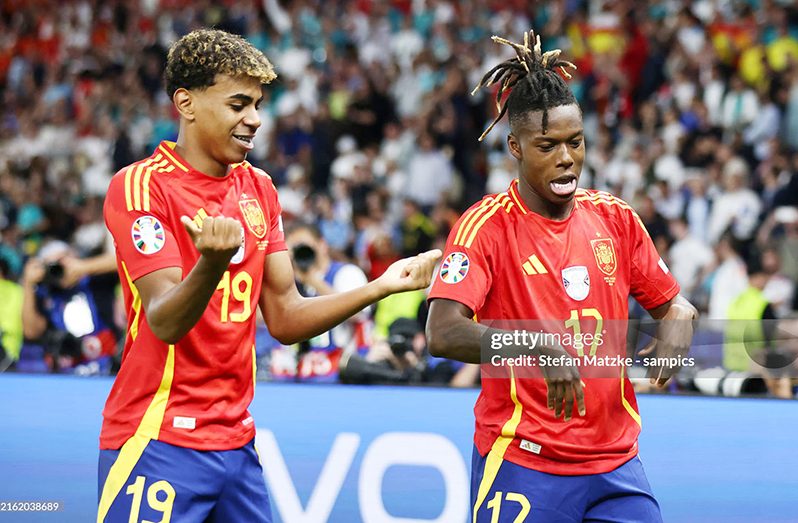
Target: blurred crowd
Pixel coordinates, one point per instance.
(370, 132)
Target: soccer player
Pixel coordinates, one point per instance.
(199, 244)
(547, 252)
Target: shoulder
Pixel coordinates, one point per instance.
(137, 187)
(260, 177)
(604, 204)
(488, 215)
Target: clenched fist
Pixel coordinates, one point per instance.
(218, 239)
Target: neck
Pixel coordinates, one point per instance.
(197, 158)
(542, 206)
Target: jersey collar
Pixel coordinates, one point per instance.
(167, 149)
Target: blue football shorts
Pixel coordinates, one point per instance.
(519, 494)
(169, 483)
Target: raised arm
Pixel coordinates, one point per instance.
(292, 317)
(173, 306)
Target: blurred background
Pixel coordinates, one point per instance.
(370, 133)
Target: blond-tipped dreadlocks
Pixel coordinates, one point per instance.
(532, 79)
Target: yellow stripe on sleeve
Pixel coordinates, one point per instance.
(145, 200)
(472, 215)
(128, 199)
(481, 222)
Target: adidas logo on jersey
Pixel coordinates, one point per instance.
(534, 266)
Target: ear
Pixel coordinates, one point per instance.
(515, 147)
(184, 102)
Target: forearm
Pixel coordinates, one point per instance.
(175, 312)
(677, 308)
(102, 264)
(457, 340)
(303, 318)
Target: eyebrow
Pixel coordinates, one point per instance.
(548, 138)
(244, 98)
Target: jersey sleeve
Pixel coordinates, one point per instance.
(652, 283)
(275, 234)
(142, 234)
(464, 275)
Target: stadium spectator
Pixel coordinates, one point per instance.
(63, 66)
(68, 314)
(317, 274)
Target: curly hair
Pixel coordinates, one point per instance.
(532, 80)
(195, 60)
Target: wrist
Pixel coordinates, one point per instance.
(681, 311)
(378, 289)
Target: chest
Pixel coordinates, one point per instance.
(237, 197)
(548, 273)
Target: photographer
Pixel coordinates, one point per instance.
(69, 313)
(317, 274)
(403, 358)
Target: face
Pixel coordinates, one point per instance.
(550, 163)
(224, 116)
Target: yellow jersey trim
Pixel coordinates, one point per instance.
(136, 305)
(628, 406)
(148, 430)
(166, 148)
(495, 457)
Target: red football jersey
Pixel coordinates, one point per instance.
(196, 392)
(505, 262)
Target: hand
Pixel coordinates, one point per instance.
(409, 274)
(33, 272)
(74, 270)
(218, 239)
(674, 335)
(564, 385)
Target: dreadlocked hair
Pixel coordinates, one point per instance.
(531, 79)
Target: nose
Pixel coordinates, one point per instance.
(252, 118)
(564, 159)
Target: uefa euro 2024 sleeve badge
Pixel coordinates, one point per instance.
(454, 268)
(148, 235)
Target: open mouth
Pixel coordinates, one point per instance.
(564, 185)
(245, 140)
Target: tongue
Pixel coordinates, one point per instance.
(563, 188)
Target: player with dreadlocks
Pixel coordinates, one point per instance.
(547, 257)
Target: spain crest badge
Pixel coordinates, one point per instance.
(604, 251)
(253, 215)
